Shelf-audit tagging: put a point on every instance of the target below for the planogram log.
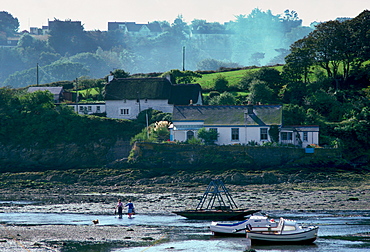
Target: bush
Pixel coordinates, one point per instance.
(221, 83)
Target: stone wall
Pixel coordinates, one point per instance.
(149, 155)
(181, 156)
(62, 156)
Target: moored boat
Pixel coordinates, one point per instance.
(220, 215)
(208, 209)
(261, 229)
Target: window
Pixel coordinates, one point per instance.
(234, 134)
(286, 136)
(97, 108)
(305, 136)
(263, 133)
(89, 108)
(124, 111)
(189, 135)
(81, 108)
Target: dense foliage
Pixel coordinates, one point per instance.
(32, 119)
(325, 81)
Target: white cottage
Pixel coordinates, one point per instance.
(127, 97)
(235, 124)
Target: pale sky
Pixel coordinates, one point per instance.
(95, 14)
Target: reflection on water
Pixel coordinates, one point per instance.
(194, 235)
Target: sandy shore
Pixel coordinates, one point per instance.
(161, 199)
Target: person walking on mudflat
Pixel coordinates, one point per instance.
(131, 209)
(119, 207)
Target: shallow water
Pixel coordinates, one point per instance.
(194, 235)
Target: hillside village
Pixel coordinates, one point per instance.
(318, 98)
(125, 98)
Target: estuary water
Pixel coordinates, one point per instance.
(194, 235)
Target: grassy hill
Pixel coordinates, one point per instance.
(233, 77)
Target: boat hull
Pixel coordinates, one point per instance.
(215, 215)
(235, 229)
(304, 237)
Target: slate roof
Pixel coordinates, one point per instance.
(230, 115)
(134, 88)
(53, 90)
(152, 88)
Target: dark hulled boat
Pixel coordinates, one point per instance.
(216, 204)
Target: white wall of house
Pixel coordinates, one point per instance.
(227, 135)
(129, 109)
(88, 108)
(245, 135)
(182, 130)
(240, 135)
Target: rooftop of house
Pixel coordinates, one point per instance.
(152, 88)
(134, 27)
(251, 115)
(53, 90)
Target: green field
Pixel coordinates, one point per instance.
(207, 80)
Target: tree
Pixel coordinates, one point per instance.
(221, 83)
(181, 77)
(274, 133)
(8, 23)
(299, 61)
(69, 37)
(119, 73)
(94, 63)
(293, 114)
(359, 30)
(290, 20)
(225, 98)
(208, 136)
(259, 92)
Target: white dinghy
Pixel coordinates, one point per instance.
(261, 229)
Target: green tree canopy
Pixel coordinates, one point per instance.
(221, 83)
(208, 136)
(225, 98)
(8, 23)
(260, 92)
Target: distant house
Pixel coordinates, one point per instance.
(8, 41)
(127, 97)
(235, 124)
(89, 108)
(56, 91)
(137, 30)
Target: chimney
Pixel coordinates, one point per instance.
(250, 109)
(168, 77)
(110, 77)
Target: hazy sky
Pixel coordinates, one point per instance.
(95, 14)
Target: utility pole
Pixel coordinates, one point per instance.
(183, 58)
(37, 74)
(77, 95)
(138, 100)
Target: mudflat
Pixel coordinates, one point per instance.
(158, 195)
